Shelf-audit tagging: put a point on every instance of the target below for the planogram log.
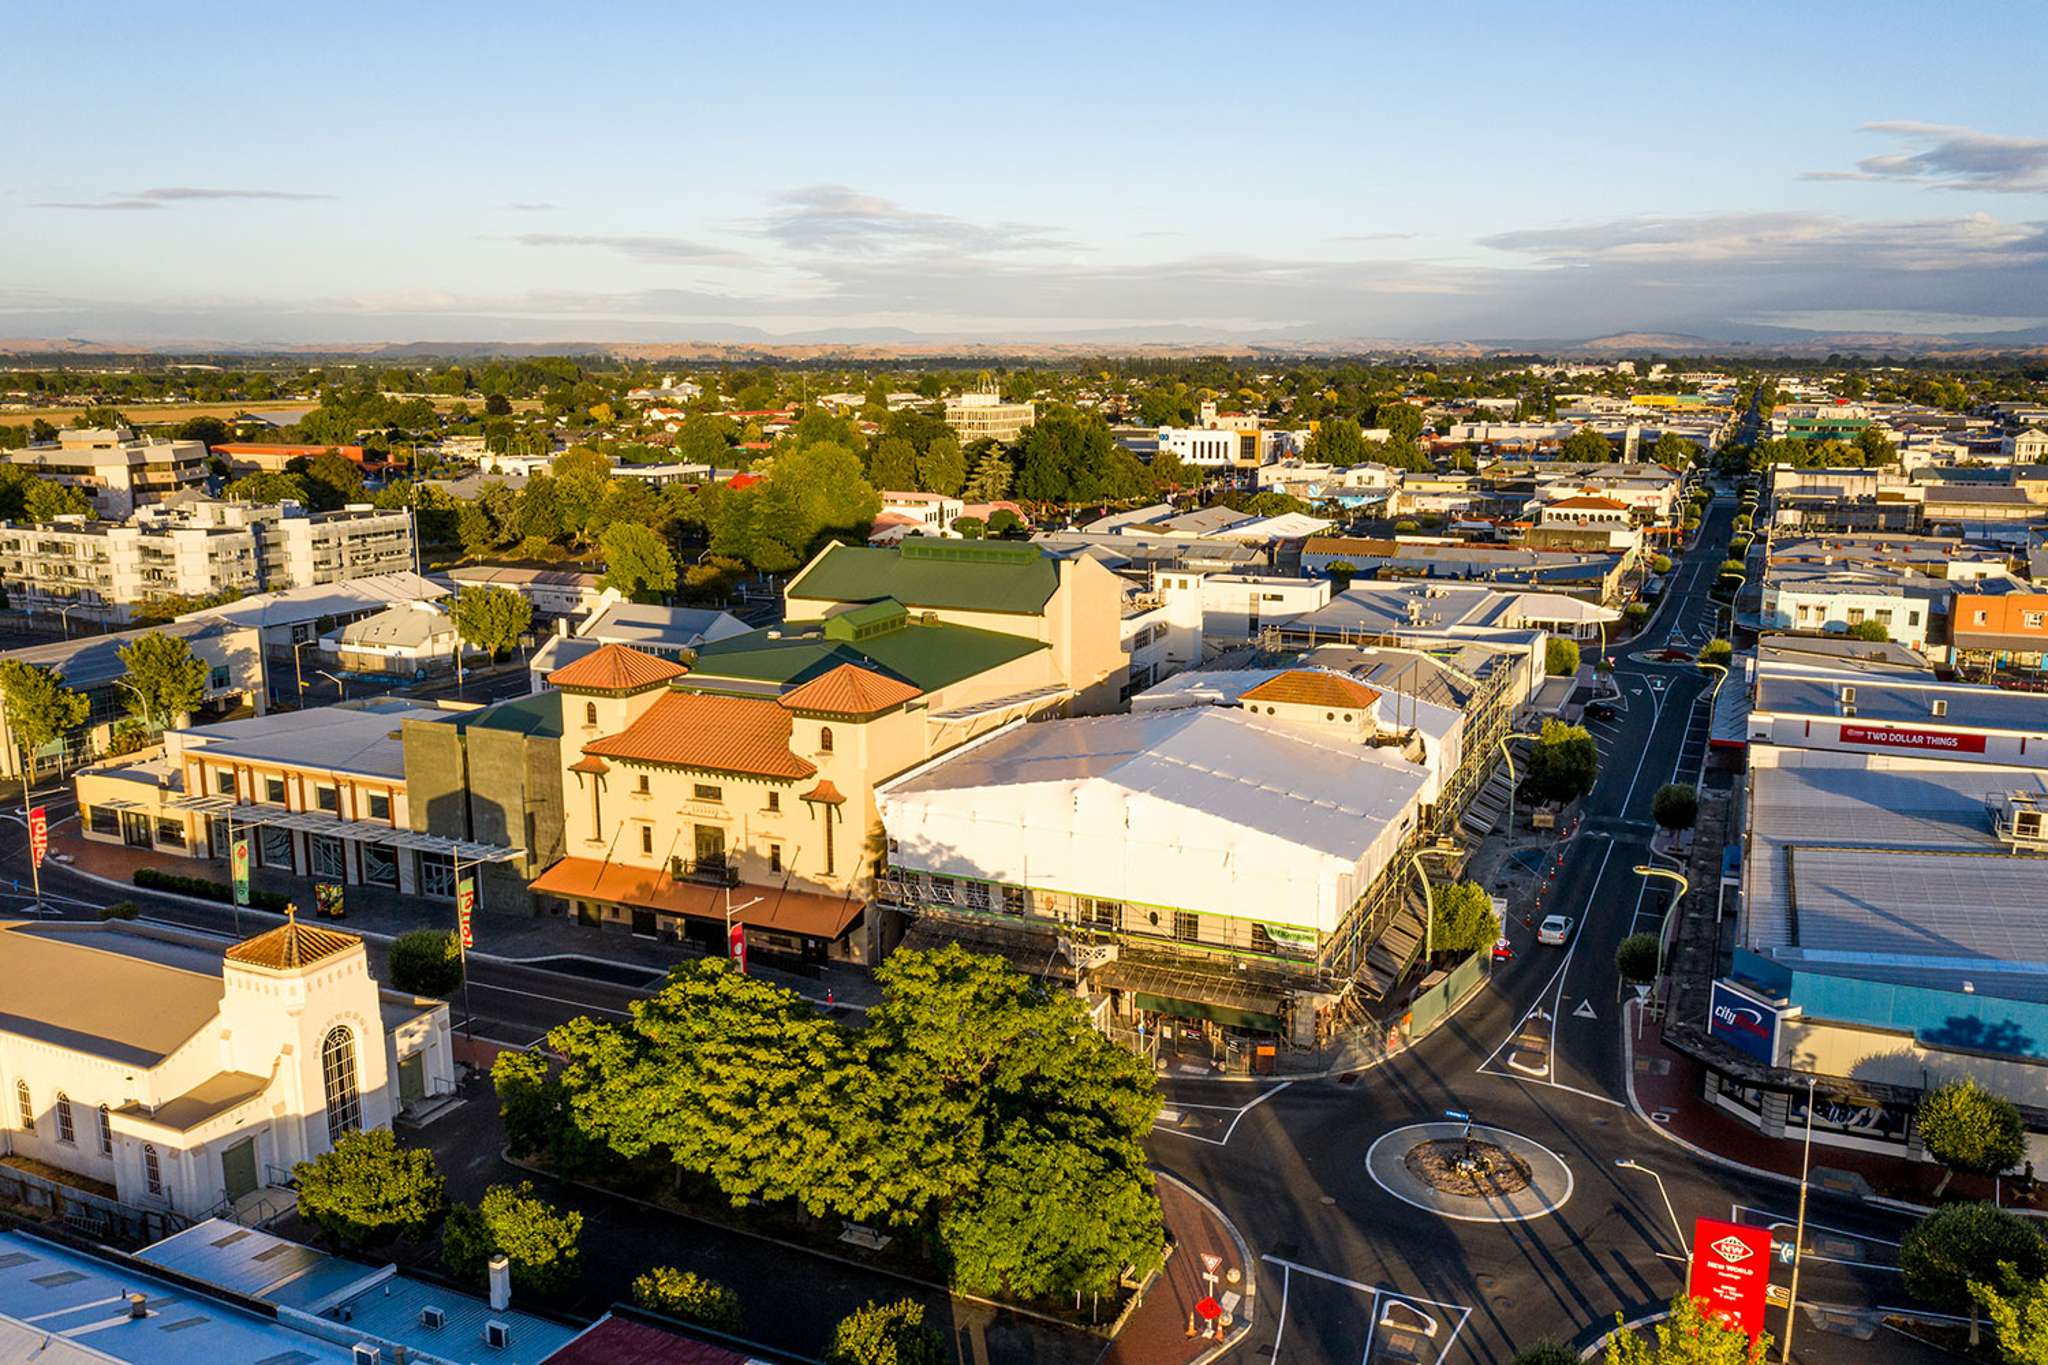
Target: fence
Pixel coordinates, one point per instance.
(1437, 1001)
(97, 1217)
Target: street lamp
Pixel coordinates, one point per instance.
(1799, 1231)
(1629, 1163)
(1428, 901)
(1646, 870)
(1509, 755)
(340, 687)
(298, 674)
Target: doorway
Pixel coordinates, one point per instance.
(710, 848)
(238, 1169)
(412, 1080)
(135, 830)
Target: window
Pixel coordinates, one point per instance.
(338, 1070)
(1980, 618)
(647, 838)
(100, 820)
(328, 799)
(1187, 926)
(1855, 616)
(171, 832)
(380, 805)
(106, 1132)
(224, 782)
(1884, 618)
(1013, 900)
(1912, 618)
(775, 857)
(219, 681)
(1848, 696)
(327, 857)
(273, 790)
(436, 874)
(824, 739)
(66, 1133)
(380, 865)
(1101, 914)
(774, 800)
(274, 847)
(641, 785)
(26, 1103)
(590, 713)
(2032, 619)
(152, 1170)
(706, 791)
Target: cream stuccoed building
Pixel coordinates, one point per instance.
(187, 1079)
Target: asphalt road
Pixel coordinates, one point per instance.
(1346, 1272)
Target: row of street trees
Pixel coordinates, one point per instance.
(161, 682)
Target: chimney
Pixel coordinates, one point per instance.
(501, 1283)
(138, 1306)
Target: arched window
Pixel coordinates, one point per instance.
(590, 713)
(824, 739)
(152, 1169)
(28, 1106)
(65, 1131)
(338, 1068)
(106, 1132)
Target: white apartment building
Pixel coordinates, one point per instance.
(117, 469)
(984, 413)
(1833, 598)
(1200, 447)
(102, 571)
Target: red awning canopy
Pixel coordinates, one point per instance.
(810, 913)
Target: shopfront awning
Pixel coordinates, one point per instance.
(1187, 993)
(334, 827)
(781, 909)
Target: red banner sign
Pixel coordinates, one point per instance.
(1731, 1272)
(736, 945)
(38, 834)
(465, 909)
(1931, 741)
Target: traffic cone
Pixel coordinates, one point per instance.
(1193, 1331)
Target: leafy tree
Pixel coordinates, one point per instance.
(497, 405)
(1688, 1336)
(894, 466)
(1960, 1243)
(1465, 918)
(887, 1334)
(47, 500)
(1717, 652)
(540, 510)
(1561, 657)
(426, 962)
(1635, 957)
(1003, 522)
(582, 478)
(40, 709)
(1672, 450)
(1873, 446)
(1660, 564)
(637, 562)
(543, 1243)
(704, 440)
(970, 528)
(473, 526)
(1548, 1351)
(1967, 1128)
(165, 681)
(491, 618)
(1336, 441)
(1401, 420)
(268, 489)
(2018, 1309)
(1564, 763)
(687, 1295)
(332, 480)
(368, 1188)
(1340, 572)
(1874, 631)
(1585, 446)
(1170, 471)
(809, 494)
(942, 468)
(1676, 805)
(990, 481)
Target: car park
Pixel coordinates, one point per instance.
(1601, 710)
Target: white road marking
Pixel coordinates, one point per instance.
(1240, 1109)
(1381, 1299)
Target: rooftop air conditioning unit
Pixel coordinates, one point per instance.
(365, 1354)
(497, 1335)
(433, 1317)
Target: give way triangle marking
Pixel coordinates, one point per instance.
(1584, 1011)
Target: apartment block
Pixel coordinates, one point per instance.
(117, 469)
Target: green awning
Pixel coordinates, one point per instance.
(1226, 1015)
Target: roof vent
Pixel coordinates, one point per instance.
(432, 1317)
(497, 1335)
(365, 1354)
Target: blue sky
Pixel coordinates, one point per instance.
(524, 172)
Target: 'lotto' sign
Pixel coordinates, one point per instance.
(1731, 1272)
(1931, 741)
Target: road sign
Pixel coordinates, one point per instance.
(1209, 1309)
(1779, 1296)
(465, 909)
(38, 834)
(1457, 1116)
(1730, 1270)
(1642, 991)
(1211, 1263)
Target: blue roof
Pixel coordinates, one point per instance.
(246, 1261)
(78, 1296)
(391, 1310)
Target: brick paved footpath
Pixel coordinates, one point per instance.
(1157, 1331)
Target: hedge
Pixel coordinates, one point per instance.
(206, 888)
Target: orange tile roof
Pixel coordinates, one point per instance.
(595, 766)
(291, 945)
(615, 668)
(825, 793)
(1307, 688)
(850, 690)
(747, 735)
(1599, 504)
(813, 913)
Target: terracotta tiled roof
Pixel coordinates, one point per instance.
(1308, 688)
(615, 668)
(1594, 504)
(814, 913)
(291, 946)
(596, 767)
(747, 735)
(825, 793)
(850, 690)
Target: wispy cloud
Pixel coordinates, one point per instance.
(163, 196)
(533, 206)
(836, 218)
(1953, 158)
(637, 246)
(1781, 238)
(1375, 237)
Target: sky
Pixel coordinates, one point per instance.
(380, 172)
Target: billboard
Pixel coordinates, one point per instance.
(1744, 1022)
(1927, 741)
(1731, 1272)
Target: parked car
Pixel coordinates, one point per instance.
(1554, 930)
(1601, 710)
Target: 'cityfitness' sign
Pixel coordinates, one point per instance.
(1746, 1023)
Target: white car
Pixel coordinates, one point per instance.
(1554, 930)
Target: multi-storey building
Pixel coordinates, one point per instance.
(983, 413)
(117, 469)
(101, 571)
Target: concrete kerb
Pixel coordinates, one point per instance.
(1628, 1069)
(1244, 1260)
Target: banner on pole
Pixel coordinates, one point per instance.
(241, 866)
(38, 834)
(736, 946)
(465, 908)
(328, 898)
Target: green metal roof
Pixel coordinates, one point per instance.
(963, 575)
(539, 715)
(925, 656)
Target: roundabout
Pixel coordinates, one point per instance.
(1480, 1175)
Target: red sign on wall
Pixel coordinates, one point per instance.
(1930, 741)
(1731, 1271)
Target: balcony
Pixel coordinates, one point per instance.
(718, 871)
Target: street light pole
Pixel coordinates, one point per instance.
(35, 870)
(1629, 1163)
(1799, 1230)
(1509, 755)
(1684, 885)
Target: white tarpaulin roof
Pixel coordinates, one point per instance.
(1205, 808)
